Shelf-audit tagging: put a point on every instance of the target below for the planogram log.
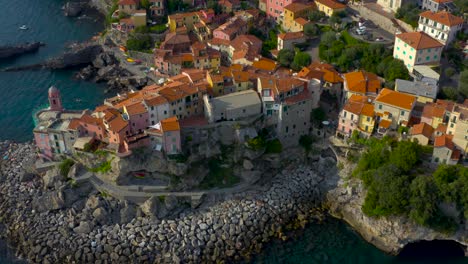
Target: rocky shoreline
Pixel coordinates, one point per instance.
(8, 52)
(80, 225)
(390, 234)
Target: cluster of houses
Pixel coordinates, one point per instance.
(374, 111)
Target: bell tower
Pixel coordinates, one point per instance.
(55, 102)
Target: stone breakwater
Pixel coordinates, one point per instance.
(230, 230)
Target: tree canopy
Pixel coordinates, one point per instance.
(285, 57)
(301, 59)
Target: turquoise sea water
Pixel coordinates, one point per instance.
(22, 92)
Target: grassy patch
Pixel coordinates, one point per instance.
(104, 167)
(218, 176)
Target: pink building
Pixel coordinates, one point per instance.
(231, 29)
(43, 144)
(137, 116)
(55, 103)
(275, 7)
(165, 136)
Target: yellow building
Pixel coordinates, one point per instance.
(181, 20)
(216, 82)
(294, 11)
(329, 6)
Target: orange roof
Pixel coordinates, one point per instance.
(170, 124)
(367, 110)
(422, 129)
(433, 110)
(331, 4)
(443, 17)
(74, 124)
(287, 84)
(359, 105)
(441, 128)
(393, 98)
(443, 141)
(117, 124)
(291, 35)
(362, 82)
(385, 123)
(264, 64)
(296, 7)
(419, 40)
(101, 108)
(330, 74)
(301, 21)
(310, 73)
(155, 100)
(136, 109)
(455, 155)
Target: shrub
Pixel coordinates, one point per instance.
(104, 167)
(306, 142)
(273, 146)
(257, 143)
(449, 72)
(139, 43)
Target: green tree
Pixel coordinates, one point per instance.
(311, 30)
(396, 69)
(463, 84)
(139, 42)
(450, 93)
(423, 201)
(285, 57)
(405, 155)
(328, 38)
(318, 115)
(301, 59)
(306, 142)
(145, 4)
(409, 13)
(316, 15)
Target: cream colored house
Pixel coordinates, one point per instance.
(329, 6)
(416, 48)
(289, 39)
(394, 106)
(458, 126)
(442, 25)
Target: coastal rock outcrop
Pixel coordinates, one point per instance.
(389, 234)
(230, 230)
(72, 9)
(7, 52)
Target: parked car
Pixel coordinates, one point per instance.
(360, 31)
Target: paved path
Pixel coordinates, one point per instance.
(139, 194)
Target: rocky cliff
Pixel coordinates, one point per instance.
(389, 234)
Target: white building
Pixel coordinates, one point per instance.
(441, 25)
(436, 5)
(158, 109)
(417, 48)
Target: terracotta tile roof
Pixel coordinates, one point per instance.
(101, 108)
(362, 82)
(287, 84)
(88, 119)
(331, 4)
(219, 41)
(74, 124)
(455, 155)
(264, 64)
(291, 35)
(310, 73)
(422, 129)
(419, 40)
(443, 141)
(433, 110)
(443, 17)
(155, 100)
(359, 105)
(302, 96)
(170, 124)
(117, 124)
(329, 73)
(136, 109)
(393, 98)
(297, 7)
(441, 128)
(240, 76)
(127, 2)
(385, 123)
(301, 21)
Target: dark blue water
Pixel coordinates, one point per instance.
(334, 242)
(22, 92)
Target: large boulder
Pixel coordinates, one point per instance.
(72, 9)
(49, 201)
(128, 212)
(104, 59)
(247, 164)
(101, 215)
(171, 202)
(75, 170)
(26, 176)
(94, 202)
(52, 177)
(84, 228)
(154, 207)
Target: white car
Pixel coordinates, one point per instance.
(361, 31)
